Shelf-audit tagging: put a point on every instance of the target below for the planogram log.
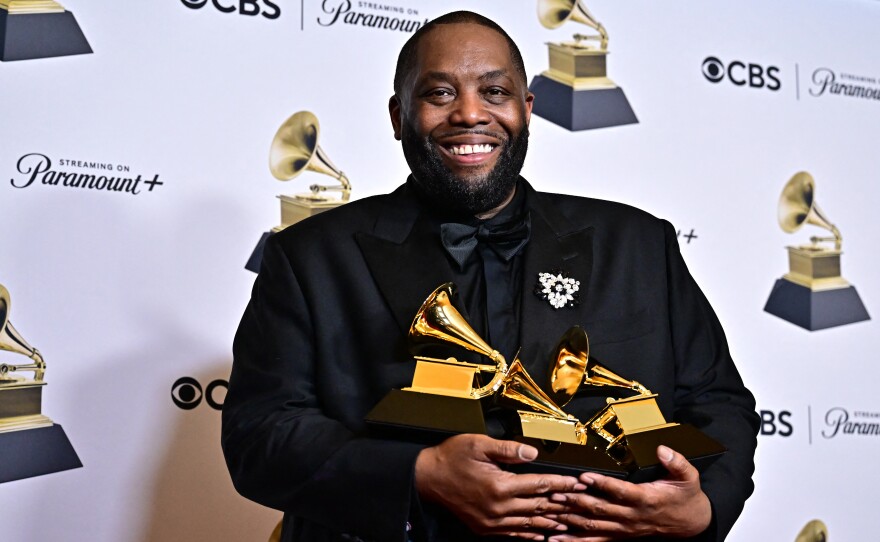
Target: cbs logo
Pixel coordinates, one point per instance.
(741, 74)
(187, 393)
(266, 8)
(773, 423)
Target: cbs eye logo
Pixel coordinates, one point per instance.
(187, 393)
(740, 74)
(266, 8)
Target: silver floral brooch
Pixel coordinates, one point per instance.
(559, 289)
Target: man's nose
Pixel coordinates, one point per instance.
(469, 110)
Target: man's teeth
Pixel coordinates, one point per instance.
(471, 149)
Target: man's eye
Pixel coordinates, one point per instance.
(439, 93)
(496, 95)
(496, 91)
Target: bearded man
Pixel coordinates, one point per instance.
(324, 336)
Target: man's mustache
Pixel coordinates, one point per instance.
(497, 135)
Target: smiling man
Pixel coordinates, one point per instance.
(462, 118)
(324, 336)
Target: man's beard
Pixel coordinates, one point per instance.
(473, 194)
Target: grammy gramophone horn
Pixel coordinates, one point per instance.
(439, 322)
(554, 13)
(798, 206)
(572, 367)
(295, 149)
(814, 531)
(568, 365)
(520, 389)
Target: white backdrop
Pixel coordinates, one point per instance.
(124, 294)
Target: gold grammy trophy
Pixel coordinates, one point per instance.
(575, 92)
(32, 444)
(294, 150)
(448, 396)
(813, 294)
(38, 29)
(628, 430)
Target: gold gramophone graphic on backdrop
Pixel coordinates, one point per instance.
(37, 445)
(20, 398)
(814, 531)
(575, 92)
(813, 294)
(38, 29)
(294, 150)
(448, 396)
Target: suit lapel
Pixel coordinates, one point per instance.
(555, 245)
(405, 259)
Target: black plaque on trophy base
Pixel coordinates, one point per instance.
(567, 459)
(813, 310)
(425, 417)
(642, 466)
(40, 35)
(34, 452)
(700, 449)
(580, 109)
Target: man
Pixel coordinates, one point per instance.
(323, 338)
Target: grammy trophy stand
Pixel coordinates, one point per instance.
(813, 294)
(295, 149)
(38, 29)
(30, 442)
(575, 92)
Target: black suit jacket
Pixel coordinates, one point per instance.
(323, 339)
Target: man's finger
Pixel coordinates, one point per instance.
(527, 524)
(678, 466)
(612, 488)
(510, 452)
(597, 527)
(592, 506)
(530, 508)
(540, 484)
(575, 538)
(524, 536)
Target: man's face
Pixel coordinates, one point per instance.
(462, 118)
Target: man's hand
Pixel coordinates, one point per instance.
(462, 474)
(612, 509)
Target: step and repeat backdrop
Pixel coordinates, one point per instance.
(135, 184)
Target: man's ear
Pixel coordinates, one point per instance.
(394, 111)
(530, 101)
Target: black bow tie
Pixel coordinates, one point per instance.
(505, 239)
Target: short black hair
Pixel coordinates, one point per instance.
(406, 61)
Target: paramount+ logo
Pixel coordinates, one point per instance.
(252, 8)
(742, 74)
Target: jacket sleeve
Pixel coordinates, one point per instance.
(709, 393)
(282, 451)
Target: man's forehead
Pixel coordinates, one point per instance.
(452, 42)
